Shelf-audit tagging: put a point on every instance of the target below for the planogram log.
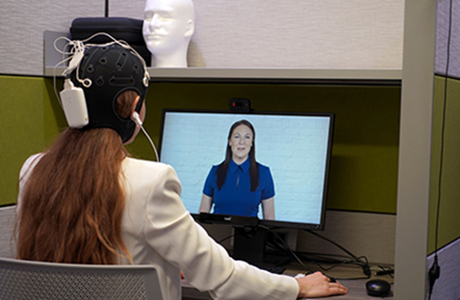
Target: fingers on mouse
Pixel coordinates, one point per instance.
(300, 275)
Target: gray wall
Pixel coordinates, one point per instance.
(22, 26)
(354, 34)
(442, 34)
(7, 244)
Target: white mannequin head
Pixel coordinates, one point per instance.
(167, 30)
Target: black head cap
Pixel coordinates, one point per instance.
(104, 73)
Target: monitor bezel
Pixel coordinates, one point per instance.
(241, 221)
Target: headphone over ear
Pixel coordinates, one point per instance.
(96, 76)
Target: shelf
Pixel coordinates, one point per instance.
(270, 75)
(246, 75)
(349, 76)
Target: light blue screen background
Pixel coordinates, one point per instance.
(294, 147)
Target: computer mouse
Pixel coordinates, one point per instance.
(378, 288)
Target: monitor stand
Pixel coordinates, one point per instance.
(249, 239)
(249, 244)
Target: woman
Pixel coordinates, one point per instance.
(239, 185)
(85, 200)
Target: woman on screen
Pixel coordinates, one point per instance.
(86, 201)
(239, 185)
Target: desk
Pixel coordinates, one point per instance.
(356, 287)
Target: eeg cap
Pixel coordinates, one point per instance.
(103, 73)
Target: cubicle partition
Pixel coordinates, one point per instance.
(7, 220)
(342, 56)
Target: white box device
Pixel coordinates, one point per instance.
(74, 105)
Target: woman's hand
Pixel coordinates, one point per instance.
(319, 285)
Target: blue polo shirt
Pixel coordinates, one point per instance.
(235, 196)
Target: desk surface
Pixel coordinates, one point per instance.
(356, 287)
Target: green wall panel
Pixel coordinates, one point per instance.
(449, 186)
(26, 121)
(365, 151)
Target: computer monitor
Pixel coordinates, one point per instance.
(296, 148)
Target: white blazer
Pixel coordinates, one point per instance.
(159, 231)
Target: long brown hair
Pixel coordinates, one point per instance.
(73, 202)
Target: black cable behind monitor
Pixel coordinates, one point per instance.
(435, 269)
(280, 245)
(361, 261)
(106, 9)
(287, 255)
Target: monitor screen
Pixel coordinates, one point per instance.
(293, 151)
